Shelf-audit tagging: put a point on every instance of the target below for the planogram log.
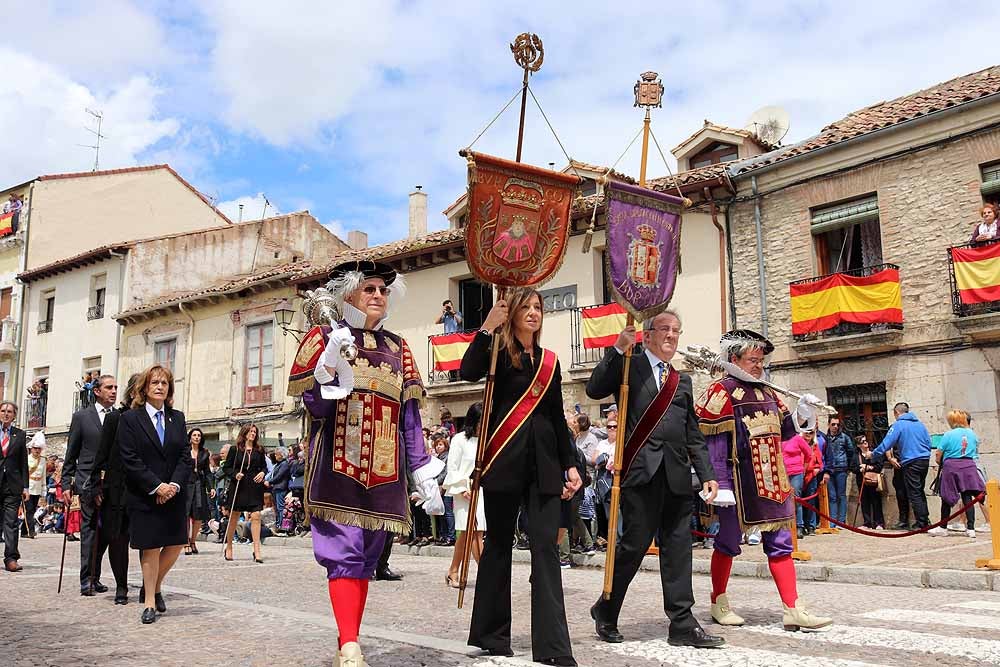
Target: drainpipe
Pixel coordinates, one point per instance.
(22, 314)
(729, 259)
(187, 363)
(722, 256)
(760, 257)
(121, 302)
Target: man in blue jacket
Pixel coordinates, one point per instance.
(837, 458)
(914, 444)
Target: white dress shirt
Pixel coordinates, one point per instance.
(654, 363)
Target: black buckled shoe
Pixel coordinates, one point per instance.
(148, 616)
(606, 630)
(696, 638)
(386, 574)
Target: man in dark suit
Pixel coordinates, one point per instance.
(13, 481)
(81, 451)
(656, 476)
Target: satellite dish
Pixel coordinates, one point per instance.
(770, 124)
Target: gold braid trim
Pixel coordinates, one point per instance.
(771, 526)
(299, 387)
(366, 521)
(415, 391)
(728, 426)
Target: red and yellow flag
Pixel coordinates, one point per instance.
(448, 350)
(6, 223)
(602, 324)
(977, 273)
(826, 302)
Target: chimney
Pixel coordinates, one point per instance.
(357, 239)
(418, 213)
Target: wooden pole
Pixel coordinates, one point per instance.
(609, 561)
(645, 150)
(993, 502)
(824, 506)
(520, 125)
(796, 554)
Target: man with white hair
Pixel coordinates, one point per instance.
(365, 434)
(744, 423)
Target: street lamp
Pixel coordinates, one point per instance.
(283, 314)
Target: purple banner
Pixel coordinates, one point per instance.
(643, 247)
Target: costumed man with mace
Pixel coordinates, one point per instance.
(744, 423)
(365, 434)
(663, 443)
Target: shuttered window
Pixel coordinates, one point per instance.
(991, 179)
(259, 364)
(838, 216)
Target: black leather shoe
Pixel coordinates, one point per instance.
(387, 575)
(902, 525)
(562, 660)
(148, 616)
(121, 596)
(100, 588)
(87, 592)
(606, 630)
(697, 638)
(161, 606)
(501, 652)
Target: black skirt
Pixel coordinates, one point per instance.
(197, 500)
(165, 525)
(249, 495)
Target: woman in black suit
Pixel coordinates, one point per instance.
(535, 468)
(245, 467)
(153, 445)
(199, 490)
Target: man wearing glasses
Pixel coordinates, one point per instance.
(662, 443)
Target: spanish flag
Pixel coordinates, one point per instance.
(602, 324)
(448, 350)
(824, 303)
(6, 223)
(977, 273)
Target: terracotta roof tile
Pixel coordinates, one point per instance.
(704, 174)
(709, 125)
(957, 91)
(69, 263)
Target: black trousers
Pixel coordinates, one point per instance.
(970, 514)
(871, 506)
(90, 540)
(28, 524)
(915, 479)
(646, 511)
(10, 503)
(114, 535)
(491, 610)
(902, 502)
(383, 559)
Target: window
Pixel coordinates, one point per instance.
(165, 353)
(259, 363)
(92, 365)
(847, 236)
(46, 311)
(474, 301)
(714, 154)
(98, 289)
(5, 298)
(862, 410)
(991, 180)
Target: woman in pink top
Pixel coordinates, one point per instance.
(798, 457)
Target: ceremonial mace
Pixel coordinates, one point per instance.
(320, 307)
(648, 94)
(529, 55)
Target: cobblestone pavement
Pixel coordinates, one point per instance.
(277, 613)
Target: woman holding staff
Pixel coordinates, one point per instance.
(528, 458)
(246, 468)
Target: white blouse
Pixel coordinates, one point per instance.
(461, 464)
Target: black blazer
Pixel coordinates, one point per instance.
(677, 443)
(109, 462)
(14, 466)
(81, 449)
(545, 431)
(148, 464)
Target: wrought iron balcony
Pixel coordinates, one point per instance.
(95, 312)
(813, 324)
(967, 296)
(35, 410)
(45, 326)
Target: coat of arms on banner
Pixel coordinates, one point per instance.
(518, 220)
(643, 247)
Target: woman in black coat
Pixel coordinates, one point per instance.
(199, 490)
(535, 468)
(245, 467)
(152, 440)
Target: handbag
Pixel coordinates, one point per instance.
(875, 479)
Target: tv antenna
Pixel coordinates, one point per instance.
(770, 124)
(97, 136)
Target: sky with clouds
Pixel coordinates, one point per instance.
(342, 108)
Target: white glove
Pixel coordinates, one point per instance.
(430, 497)
(338, 339)
(805, 413)
(331, 358)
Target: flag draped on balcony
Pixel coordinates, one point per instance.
(602, 324)
(977, 273)
(448, 350)
(6, 223)
(823, 303)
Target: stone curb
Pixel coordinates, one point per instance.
(964, 580)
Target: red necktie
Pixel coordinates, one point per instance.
(5, 442)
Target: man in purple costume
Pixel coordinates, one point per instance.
(744, 423)
(365, 434)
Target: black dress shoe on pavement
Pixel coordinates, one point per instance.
(87, 592)
(902, 525)
(100, 588)
(606, 630)
(161, 606)
(562, 660)
(387, 575)
(499, 652)
(148, 616)
(121, 596)
(697, 638)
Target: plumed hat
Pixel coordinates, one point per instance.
(746, 337)
(366, 267)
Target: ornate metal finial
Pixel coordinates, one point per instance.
(528, 51)
(320, 307)
(649, 91)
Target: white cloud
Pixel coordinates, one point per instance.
(253, 208)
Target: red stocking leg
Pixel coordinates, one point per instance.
(347, 597)
(722, 565)
(783, 570)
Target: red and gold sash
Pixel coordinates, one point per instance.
(522, 409)
(650, 418)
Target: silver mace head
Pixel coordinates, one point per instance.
(321, 308)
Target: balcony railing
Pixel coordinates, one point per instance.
(35, 409)
(878, 320)
(82, 398)
(581, 355)
(435, 376)
(45, 326)
(965, 301)
(95, 312)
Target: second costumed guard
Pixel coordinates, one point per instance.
(365, 435)
(744, 423)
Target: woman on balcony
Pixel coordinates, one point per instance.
(529, 459)
(986, 229)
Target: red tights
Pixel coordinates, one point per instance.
(348, 597)
(782, 570)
